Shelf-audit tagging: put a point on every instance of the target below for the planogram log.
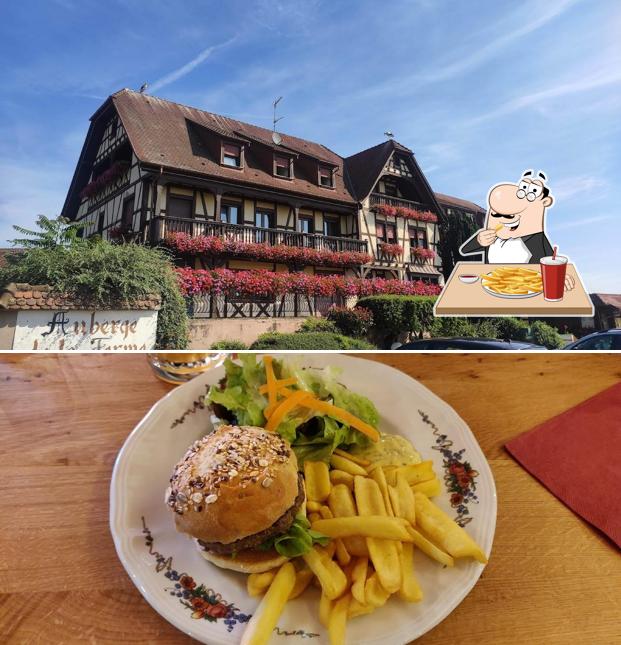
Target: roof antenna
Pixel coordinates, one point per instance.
(276, 138)
(389, 134)
(143, 87)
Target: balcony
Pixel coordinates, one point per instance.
(378, 199)
(162, 226)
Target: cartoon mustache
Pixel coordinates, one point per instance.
(505, 216)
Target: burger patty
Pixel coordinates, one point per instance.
(280, 526)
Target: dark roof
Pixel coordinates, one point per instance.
(161, 134)
(449, 200)
(364, 168)
(607, 300)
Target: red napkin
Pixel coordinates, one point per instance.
(577, 456)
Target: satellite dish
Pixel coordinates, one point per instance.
(276, 138)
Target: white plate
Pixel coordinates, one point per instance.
(155, 555)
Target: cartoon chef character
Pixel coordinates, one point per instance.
(515, 225)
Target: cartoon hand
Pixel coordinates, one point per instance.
(570, 283)
(486, 236)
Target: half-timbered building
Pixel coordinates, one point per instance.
(157, 172)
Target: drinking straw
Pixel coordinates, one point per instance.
(554, 254)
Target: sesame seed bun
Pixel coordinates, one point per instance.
(232, 484)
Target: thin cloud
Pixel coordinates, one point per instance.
(584, 83)
(587, 221)
(184, 70)
(461, 63)
(571, 186)
(465, 63)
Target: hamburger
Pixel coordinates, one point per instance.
(237, 492)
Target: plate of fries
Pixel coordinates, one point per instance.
(406, 542)
(513, 282)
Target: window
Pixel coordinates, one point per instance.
(229, 213)
(282, 166)
(326, 177)
(180, 206)
(113, 125)
(127, 219)
(264, 218)
(231, 155)
(100, 222)
(604, 342)
(331, 226)
(386, 232)
(305, 224)
(418, 238)
(390, 188)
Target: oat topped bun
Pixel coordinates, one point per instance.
(234, 489)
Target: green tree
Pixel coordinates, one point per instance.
(52, 233)
(454, 231)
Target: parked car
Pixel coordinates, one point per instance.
(469, 344)
(607, 340)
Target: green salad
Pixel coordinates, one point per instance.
(313, 434)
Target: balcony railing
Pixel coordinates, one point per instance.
(285, 306)
(385, 200)
(162, 226)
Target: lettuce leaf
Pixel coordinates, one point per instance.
(299, 539)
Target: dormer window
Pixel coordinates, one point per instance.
(283, 166)
(326, 177)
(231, 155)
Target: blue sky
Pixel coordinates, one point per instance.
(479, 90)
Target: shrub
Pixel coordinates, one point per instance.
(544, 334)
(229, 344)
(308, 341)
(106, 273)
(454, 327)
(511, 328)
(393, 315)
(312, 324)
(486, 328)
(351, 322)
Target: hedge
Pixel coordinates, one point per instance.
(393, 315)
(229, 344)
(312, 324)
(308, 341)
(544, 334)
(351, 322)
(106, 273)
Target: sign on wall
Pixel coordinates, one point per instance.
(86, 330)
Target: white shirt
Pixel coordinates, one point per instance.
(512, 250)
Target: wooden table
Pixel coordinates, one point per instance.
(461, 299)
(551, 578)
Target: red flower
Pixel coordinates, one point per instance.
(217, 611)
(272, 284)
(187, 582)
(393, 250)
(464, 481)
(198, 603)
(456, 498)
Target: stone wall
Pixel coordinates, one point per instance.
(206, 331)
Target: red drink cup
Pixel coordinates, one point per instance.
(553, 275)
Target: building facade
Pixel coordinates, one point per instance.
(221, 191)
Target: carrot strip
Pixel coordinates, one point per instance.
(342, 415)
(284, 408)
(279, 384)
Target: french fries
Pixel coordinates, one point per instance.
(317, 481)
(513, 281)
(405, 499)
(359, 578)
(371, 526)
(341, 477)
(338, 620)
(410, 589)
(303, 578)
(331, 577)
(341, 503)
(357, 460)
(429, 488)
(415, 473)
(430, 549)
(258, 583)
(341, 463)
(261, 625)
(444, 531)
(384, 553)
